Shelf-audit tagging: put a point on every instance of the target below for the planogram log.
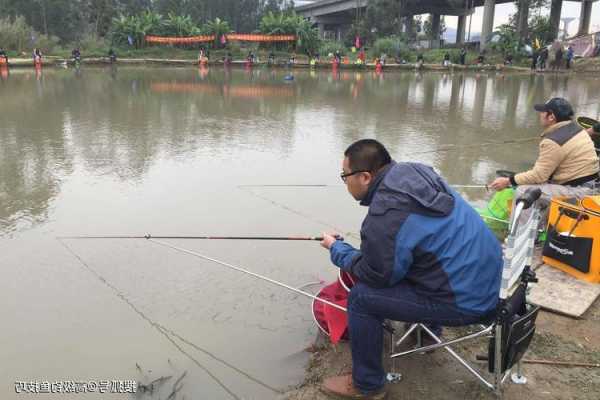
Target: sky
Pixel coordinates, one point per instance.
(569, 9)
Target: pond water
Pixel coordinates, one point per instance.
(131, 151)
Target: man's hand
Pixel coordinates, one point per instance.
(500, 183)
(593, 132)
(329, 239)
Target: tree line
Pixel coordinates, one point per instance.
(70, 20)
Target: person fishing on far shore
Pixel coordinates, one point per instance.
(481, 58)
(420, 60)
(3, 56)
(446, 61)
(76, 55)
(570, 56)
(543, 59)
(558, 58)
(534, 59)
(463, 56)
(112, 56)
(37, 56)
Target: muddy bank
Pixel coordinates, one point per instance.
(438, 376)
(588, 66)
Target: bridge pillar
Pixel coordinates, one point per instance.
(408, 25)
(461, 29)
(321, 27)
(435, 30)
(585, 16)
(522, 19)
(488, 22)
(555, 12)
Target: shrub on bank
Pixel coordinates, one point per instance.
(392, 46)
(17, 35)
(330, 47)
(93, 46)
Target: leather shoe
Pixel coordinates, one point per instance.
(341, 387)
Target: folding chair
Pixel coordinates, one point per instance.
(511, 329)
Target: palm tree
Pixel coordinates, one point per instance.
(307, 37)
(176, 25)
(217, 27)
(136, 28)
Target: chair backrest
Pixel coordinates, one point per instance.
(518, 251)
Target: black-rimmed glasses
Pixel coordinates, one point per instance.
(344, 176)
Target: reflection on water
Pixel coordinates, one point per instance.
(120, 122)
(162, 150)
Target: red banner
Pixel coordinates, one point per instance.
(254, 37)
(244, 37)
(180, 40)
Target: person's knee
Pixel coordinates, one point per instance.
(356, 298)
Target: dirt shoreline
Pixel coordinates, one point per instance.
(438, 376)
(50, 61)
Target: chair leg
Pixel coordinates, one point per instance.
(406, 334)
(458, 358)
(393, 376)
(517, 377)
(419, 336)
(498, 375)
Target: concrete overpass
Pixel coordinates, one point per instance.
(340, 14)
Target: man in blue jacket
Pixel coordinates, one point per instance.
(425, 256)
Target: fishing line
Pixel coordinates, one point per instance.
(233, 367)
(293, 211)
(164, 331)
(247, 272)
(456, 147)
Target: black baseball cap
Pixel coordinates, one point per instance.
(558, 106)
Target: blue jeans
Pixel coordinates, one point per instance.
(369, 307)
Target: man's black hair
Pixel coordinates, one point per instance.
(367, 155)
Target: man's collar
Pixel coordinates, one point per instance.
(375, 183)
(554, 127)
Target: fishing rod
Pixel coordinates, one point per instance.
(247, 272)
(204, 237)
(339, 185)
(455, 147)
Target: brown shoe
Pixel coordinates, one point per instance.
(341, 387)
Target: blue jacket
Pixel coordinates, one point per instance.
(420, 230)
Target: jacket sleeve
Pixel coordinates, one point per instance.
(548, 160)
(381, 256)
(342, 254)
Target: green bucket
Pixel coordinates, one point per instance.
(497, 213)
